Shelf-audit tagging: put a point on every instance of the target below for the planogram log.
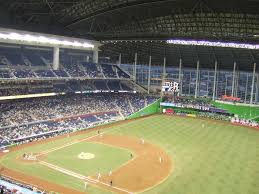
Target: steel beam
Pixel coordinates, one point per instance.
(149, 73)
(253, 82)
(197, 78)
(215, 80)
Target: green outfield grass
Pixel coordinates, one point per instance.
(218, 158)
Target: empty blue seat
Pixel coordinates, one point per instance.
(35, 59)
(23, 74)
(15, 58)
(114, 85)
(61, 73)
(100, 85)
(5, 74)
(46, 73)
(122, 74)
(74, 70)
(108, 71)
(91, 69)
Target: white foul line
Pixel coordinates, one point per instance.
(75, 142)
(79, 176)
(66, 145)
(65, 171)
(71, 173)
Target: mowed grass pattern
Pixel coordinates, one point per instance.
(107, 158)
(209, 157)
(217, 158)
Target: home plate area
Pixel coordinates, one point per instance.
(142, 162)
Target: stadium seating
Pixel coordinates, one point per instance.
(136, 101)
(122, 74)
(15, 58)
(3, 64)
(114, 85)
(24, 119)
(108, 71)
(84, 69)
(24, 74)
(18, 63)
(31, 110)
(5, 74)
(125, 87)
(35, 59)
(91, 119)
(60, 73)
(88, 86)
(46, 73)
(100, 85)
(62, 86)
(8, 186)
(92, 70)
(74, 70)
(150, 99)
(58, 88)
(3, 61)
(74, 86)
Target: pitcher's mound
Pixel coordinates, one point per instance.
(85, 156)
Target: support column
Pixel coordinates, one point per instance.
(226, 85)
(246, 86)
(215, 80)
(207, 84)
(180, 77)
(87, 58)
(197, 79)
(149, 73)
(56, 58)
(233, 79)
(190, 83)
(163, 76)
(216, 92)
(236, 84)
(119, 60)
(253, 82)
(95, 55)
(135, 67)
(257, 87)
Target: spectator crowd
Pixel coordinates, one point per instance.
(185, 102)
(10, 186)
(201, 104)
(203, 108)
(245, 122)
(29, 119)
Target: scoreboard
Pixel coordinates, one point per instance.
(170, 87)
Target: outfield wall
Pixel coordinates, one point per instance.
(148, 110)
(243, 111)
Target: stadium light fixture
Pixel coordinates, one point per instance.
(213, 44)
(29, 38)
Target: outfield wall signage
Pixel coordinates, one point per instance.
(192, 106)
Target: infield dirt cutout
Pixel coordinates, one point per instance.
(141, 173)
(149, 167)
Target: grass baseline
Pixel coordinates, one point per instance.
(81, 177)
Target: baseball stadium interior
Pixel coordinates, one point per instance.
(129, 96)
